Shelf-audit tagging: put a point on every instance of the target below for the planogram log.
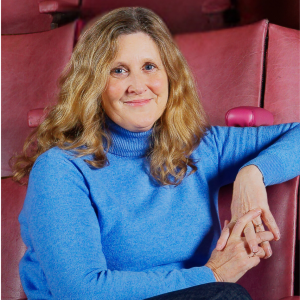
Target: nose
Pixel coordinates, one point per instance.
(137, 84)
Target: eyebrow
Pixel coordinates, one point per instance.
(124, 63)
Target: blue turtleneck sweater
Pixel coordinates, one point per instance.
(114, 233)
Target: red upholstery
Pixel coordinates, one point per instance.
(248, 116)
(228, 66)
(187, 16)
(35, 117)
(281, 12)
(291, 298)
(12, 246)
(277, 271)
(282, 94)
(31, 65)
(23, 17)
(51, 6)
(275, 278)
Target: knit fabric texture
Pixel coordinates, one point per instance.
(115, 233)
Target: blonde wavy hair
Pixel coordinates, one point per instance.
(78, 118)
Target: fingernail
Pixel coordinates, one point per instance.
(258, 211)
(255, 249)
(278, 235)
(269, 253)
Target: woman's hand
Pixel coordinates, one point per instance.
(249, 192)
(230, 264)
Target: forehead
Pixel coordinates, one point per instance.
(136, 46)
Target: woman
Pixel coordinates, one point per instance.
(122, 194)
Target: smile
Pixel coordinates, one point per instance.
(139, 102)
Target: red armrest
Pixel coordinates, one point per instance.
(248, 116)
(35, 117)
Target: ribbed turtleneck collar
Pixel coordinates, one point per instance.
(127, 143)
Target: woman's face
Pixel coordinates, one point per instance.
(137, 90)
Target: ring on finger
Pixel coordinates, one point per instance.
(257, 225)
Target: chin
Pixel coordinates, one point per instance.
(141, 126)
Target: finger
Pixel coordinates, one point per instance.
(241, 222)
(224, 236)
(271, 223)
(250, 236)
(263, 238)
(260, 253)
(257, 221)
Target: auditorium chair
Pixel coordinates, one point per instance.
(31, 64)
(19, 17)
(191, 15)
(233, 68)
(282, 93)
(229, 67)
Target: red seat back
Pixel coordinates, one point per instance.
(282, 94)
(31, 65)
(187, 16)
(228, 67)
(23, 17)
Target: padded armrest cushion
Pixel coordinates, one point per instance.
(35, 117)
(248, 116)
(46, 7)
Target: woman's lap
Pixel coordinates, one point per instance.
(209, 291)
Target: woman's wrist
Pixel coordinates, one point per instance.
(217, 277)
(251, 170)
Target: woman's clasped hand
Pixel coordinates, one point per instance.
(233, 261)
(249, 192)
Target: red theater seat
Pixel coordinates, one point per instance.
(31, 65)
(282, 98)
(185, 16)
(53, 6)
(227, 65)
(12, 246)
(282, 94)
(23, 17)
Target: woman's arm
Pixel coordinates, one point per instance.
(273, 155)
(62, 232)
(275, 150)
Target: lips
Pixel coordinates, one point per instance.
(138, 102)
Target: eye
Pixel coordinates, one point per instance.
(149, 67)
(117, 71)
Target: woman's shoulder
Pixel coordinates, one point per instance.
(57, 158)
(54, 154)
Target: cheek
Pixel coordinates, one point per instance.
(159, 85)
(114, 91)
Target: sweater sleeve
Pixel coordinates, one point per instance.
(275, 150)
(64, 232)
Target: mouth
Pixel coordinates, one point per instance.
(138, 102)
